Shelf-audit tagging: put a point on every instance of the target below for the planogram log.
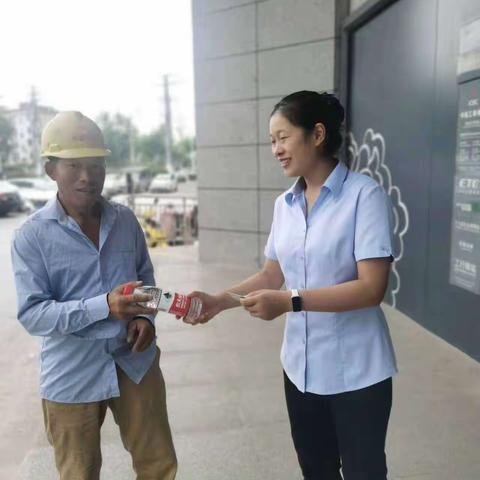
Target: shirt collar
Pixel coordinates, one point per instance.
(334, 183)
(295, 190)
(336, 179)
(53, 210)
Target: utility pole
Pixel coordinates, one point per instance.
(1, 156)
(34, 124)
(131, 144)
(168, 124)
(1, 166)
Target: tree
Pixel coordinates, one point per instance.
(120, 135)
(150, 149)
(182, 152)
(6, 134)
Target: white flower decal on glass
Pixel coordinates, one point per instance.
(369, 158)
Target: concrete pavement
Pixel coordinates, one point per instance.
(226, 405)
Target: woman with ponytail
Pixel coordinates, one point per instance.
(330, 244)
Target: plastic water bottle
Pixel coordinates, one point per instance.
(170, 302)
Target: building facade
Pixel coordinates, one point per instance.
(27, 121)
(408, 72)
(248, 54)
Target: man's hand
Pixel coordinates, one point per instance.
(142, 332)
(267, 304)
(211, 306)
(124, 307)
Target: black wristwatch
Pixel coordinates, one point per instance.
(296, 301)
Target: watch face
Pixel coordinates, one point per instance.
(297, 304)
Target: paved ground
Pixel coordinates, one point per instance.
(226, 402)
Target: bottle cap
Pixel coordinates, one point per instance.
(127, 290)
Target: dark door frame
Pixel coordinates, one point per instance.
(353, 22)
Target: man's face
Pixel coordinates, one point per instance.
(79, 180)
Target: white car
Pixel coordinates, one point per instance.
(164, 182)
(182, 175)
(114, 183)
(36, 191)
(10, 199)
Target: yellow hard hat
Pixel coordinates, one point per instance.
(72, 135)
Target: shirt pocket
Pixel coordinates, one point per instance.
(122, 266)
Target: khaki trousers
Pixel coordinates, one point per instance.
(141, 414)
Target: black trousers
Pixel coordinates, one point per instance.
(346, 430)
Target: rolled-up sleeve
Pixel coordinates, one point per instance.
(373, 224)
(38, 312)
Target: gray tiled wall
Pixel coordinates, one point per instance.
(248, 54)
(356, 4)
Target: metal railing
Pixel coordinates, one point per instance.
(166, 219)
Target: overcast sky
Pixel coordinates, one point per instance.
(98, 55)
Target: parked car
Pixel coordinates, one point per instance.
(192, 174)
(182, 175)
(10, 199)
(114, 183)
(35, 190)
(142, 181)
(164, 182)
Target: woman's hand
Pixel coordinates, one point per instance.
(267, 304)
(211, 306)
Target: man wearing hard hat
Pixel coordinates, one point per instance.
(71, 260)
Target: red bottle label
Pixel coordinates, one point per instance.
(180, 305)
